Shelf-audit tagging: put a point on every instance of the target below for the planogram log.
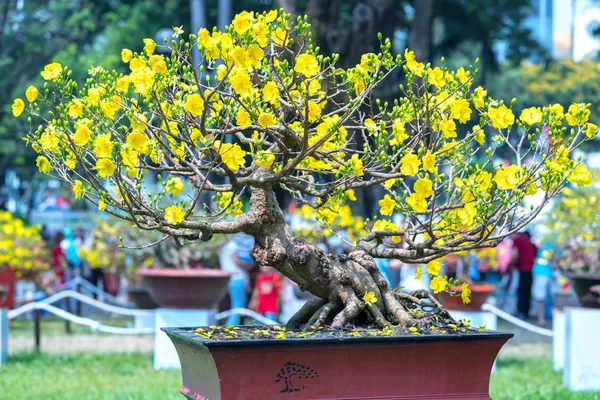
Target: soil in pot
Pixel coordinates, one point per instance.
(479, 295)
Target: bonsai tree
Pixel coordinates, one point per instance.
(22, 248)
(265, 109)
(573, 224)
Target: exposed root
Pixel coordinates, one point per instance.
(352, 308)
(322, 315)
(305, 313)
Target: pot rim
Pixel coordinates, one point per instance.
(184, 273)
(184, 334)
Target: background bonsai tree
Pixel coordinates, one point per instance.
(573, 224)
(276, 113)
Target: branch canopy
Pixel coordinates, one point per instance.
(264, 108)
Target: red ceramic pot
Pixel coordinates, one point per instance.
(7, 286)
(192, 288)
(141, 297)
(582, 284)
(479, 295)
(401, 367)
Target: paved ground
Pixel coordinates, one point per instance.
(77, 343)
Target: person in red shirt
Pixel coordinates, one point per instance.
(524, 252)
(265, 298)
(59, 261)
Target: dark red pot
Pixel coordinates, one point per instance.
(192, 288)
(7, 286)
(582, 284)
(401, 367)
(141, 297)
(479, 295)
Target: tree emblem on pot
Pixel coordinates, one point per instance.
(296, 371)
(277, 114)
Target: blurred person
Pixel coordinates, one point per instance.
(235, 257)
(522, 260)
(267, 293)
(58, 260)
(72, 256)
(542, 280)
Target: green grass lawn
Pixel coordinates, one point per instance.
(122, 376)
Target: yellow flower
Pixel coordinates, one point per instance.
(350, 194)
(448, 128)
(436, 77)
(414, 330)
(314, 111)
(307, 65)
(531, 115)
(411, 63)
(460, 110)
(501, 117)
(581, 176)
(591, 130)
(429, 163)
(438, 284)
(423, 187)
(242, 22)
(266, 119)
(399, 133)
(194, 104)
(506, 178)
(479, 97)
(369, 298)
(43, 164)
(78, 189)
(417, 202)
(231, 154)
(387, 205)
(479, 136)
(138, 141)
(174, 186)
(462, 75)
(101, 205)
(243, 118)
(105, 167)
(149, 46)
(82, 135)
(264, 159)
(270, 92)
(467, 215)
(93, 96)
(17, 107)
(126, 55)
(49, 140)
(75, 109)
(418, 272)
(130, 159)
(578, 114)
(465, 294)
(103, 146)
(410, 165)
(240, 81)
(356, 165)
(433, 267)
(174, 215)
(31, 94)
(51, 71)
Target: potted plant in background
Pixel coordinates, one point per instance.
(276, 113)
(23, 255)
(573, 227)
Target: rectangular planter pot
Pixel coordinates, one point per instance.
(385, 367)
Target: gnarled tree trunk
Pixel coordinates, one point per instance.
(340, 282)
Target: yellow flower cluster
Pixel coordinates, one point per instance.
(21, 246)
